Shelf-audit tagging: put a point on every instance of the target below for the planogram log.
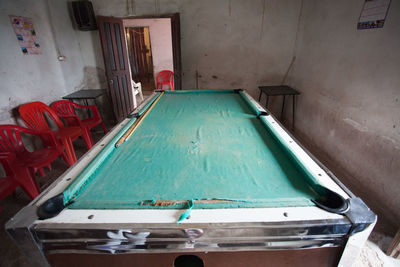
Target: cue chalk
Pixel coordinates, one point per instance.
(134, 115)
(262, 113)
(131, 129)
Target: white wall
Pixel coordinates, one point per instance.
(237, 44)
(26, 78)
(66, 43)
(349, 106)
(229, 43)
(160, 41)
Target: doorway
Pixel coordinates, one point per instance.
(160, 36)
(164, 31)
(140, 56)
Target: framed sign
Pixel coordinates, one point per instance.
(373, 14)
(26, 35)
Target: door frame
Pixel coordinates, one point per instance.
(176, 43)
(122, 98)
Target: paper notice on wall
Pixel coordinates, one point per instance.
(26, 35)
(373, 14)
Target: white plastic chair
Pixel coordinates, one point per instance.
(136, 89)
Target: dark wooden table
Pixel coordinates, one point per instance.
(86, 94)
(277, 90)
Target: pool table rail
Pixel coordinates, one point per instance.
(332, 199)
(105, 238)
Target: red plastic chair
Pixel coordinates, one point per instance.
(7, 186)
(16, 176)
(66, 110)
(34, 116)
(165, 77)
(11, 142)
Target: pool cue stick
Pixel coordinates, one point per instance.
(131, 129)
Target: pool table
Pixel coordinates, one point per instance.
(195, 178)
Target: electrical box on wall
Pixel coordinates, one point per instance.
(84, 15)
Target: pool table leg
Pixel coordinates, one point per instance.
(354, 245)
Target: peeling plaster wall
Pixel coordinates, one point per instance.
(67, 44)
(237, 44)
(26, 78)
(229, 43)
(349, 106)
(92, 57)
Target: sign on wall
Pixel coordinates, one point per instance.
(26, 35)
(373, 14)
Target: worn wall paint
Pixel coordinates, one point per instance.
(92, 55)
(26, 78)
(349, 106)
(229, 43)
(247, 39)
(67, 44)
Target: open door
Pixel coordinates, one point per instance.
(113, 40)
(176, 44)
(116, 60)
(176, 50)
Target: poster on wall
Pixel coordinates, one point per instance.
(26, 35)
(373, 14)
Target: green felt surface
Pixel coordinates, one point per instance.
(196, 145)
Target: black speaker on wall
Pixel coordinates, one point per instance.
(84, 15)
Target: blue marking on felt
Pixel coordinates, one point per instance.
(186, 213)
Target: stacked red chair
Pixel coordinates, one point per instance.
(34, 115)
(15, 177)
(22, 165)
(66, 110)
(35, 161)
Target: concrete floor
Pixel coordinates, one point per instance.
(10, 256)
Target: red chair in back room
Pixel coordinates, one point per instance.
(66, 110)
(34, 116)
(23, 163)
(165, 77)
(15, 177)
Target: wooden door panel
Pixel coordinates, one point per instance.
(138, 56)
(113, 40)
